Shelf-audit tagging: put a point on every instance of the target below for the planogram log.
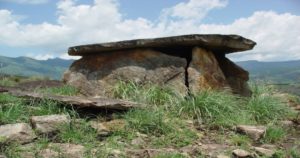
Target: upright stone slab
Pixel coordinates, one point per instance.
(236, 76)
(204, 72)
(97, 75)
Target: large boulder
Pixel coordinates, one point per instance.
(97, 75)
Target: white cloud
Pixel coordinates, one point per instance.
(193, 9)
(41, 56)
(276, 34)
(26, 1)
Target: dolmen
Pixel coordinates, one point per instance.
(187, 64)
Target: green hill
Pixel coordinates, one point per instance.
(276, 72)
(24, 66)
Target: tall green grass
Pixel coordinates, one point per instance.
(14, 110)
(149, 93)
(213, 108)
(266, 107)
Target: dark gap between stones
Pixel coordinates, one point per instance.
(182, 52)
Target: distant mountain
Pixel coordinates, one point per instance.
(24, 66)
(276, 72)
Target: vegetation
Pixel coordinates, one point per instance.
(166, 121)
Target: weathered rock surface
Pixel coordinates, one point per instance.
(20, 132)
(100, 128)
(235, 76)
(98, 75)
(214, 42)
(188, 63)
(80, 102)
(254, 132)
(264, 152)
(204, 72)
(2, 156)
(50, 123)
(62, 150)
(239, 153)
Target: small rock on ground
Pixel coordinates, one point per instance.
(62, 150)
(19, 132)
(49, 123)
(100, 128)
(254, 132)
(264, 152)
(239, 153)
(287, 123)
(2, 156)
(222, 156)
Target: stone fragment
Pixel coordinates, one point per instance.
(100, 128)
(222, 156)
(19, 132)
(48, 153)
(2, 156)
(268, 146)
(62, 150)
(99, 74)
(27, 154)
(204, 72)
(264, 152)
(213, 150)
(49, 123)
(254, 132)
(138, 141)
(287, 123)
(113, 125)
(239, 153)
(149, 153)
(79, 101)
(297, 107)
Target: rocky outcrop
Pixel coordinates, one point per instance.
(188, 63)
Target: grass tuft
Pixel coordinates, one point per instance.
(274, 134)
(148, 121)
(64, 90)
(214, 109)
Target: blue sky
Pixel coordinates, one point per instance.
(46, 28)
